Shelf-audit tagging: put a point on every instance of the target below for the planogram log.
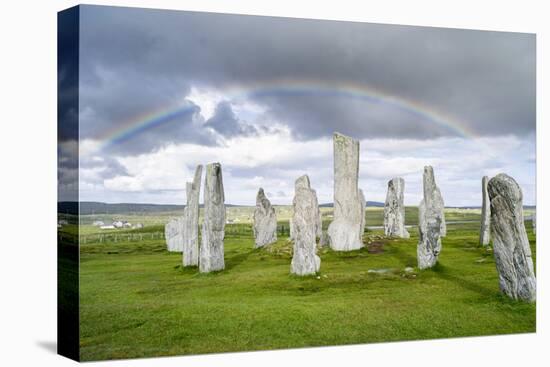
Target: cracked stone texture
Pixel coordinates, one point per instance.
(211, 257)
(430, 218)
(394, 209)
(305, 220)
(345, 230)
(485, 230)
(191, 221)
(265, 221)
(173, 233)
(510, 243)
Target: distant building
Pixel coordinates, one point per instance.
(127, 224)
(118, 224)
(98, 223)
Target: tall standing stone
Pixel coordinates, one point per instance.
(394, 209)
(191, 221)
(265, 221)
(173, 233)
(211, 256)
(510, 244)
(485, 230)
(534, 222)
(305, 219)
(345, 230)
(430, 217)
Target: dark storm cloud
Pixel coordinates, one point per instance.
(226, 123)
(112, 103)
(135, 60)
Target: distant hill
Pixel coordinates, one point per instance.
(94, 207)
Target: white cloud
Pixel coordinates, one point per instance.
(274, 160)
(206, 99)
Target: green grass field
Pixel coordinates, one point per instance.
(137, 301)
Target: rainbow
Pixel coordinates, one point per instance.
(168, 114)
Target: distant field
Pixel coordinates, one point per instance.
(137, 301)
(244, 214)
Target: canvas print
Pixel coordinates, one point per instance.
(237, 183)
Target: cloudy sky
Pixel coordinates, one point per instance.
(163, 91)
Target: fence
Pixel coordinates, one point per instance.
(230, 230)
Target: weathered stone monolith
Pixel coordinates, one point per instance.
(173, 233)
(211, 257)
(430, 218)
(485, 230)
(345, 230)
(534, 222)
(510, 243)
(191, 221)
(265, 221)
(394, 209)
(305, 219)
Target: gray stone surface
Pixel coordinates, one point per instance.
(534, 222)
(211, 257)
(191, 221)
(394, 209)
(305, 221)
(510, 243)
(265, 221)
(345, 230)
(485, 229)
(173, 233)
(430, 217)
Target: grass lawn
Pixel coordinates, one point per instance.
(137, 301)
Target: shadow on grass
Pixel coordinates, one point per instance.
(405, 258)
(239, 258)
(443, 272)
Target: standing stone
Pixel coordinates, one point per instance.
(290, 229)
(485, 230)
(345, 230)
(394, 209)
(430, 217)
(305, 221)
(510, 244)
(213, 226)
(173, 233)
(265, 221)
(534, 222)
(191, 221)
